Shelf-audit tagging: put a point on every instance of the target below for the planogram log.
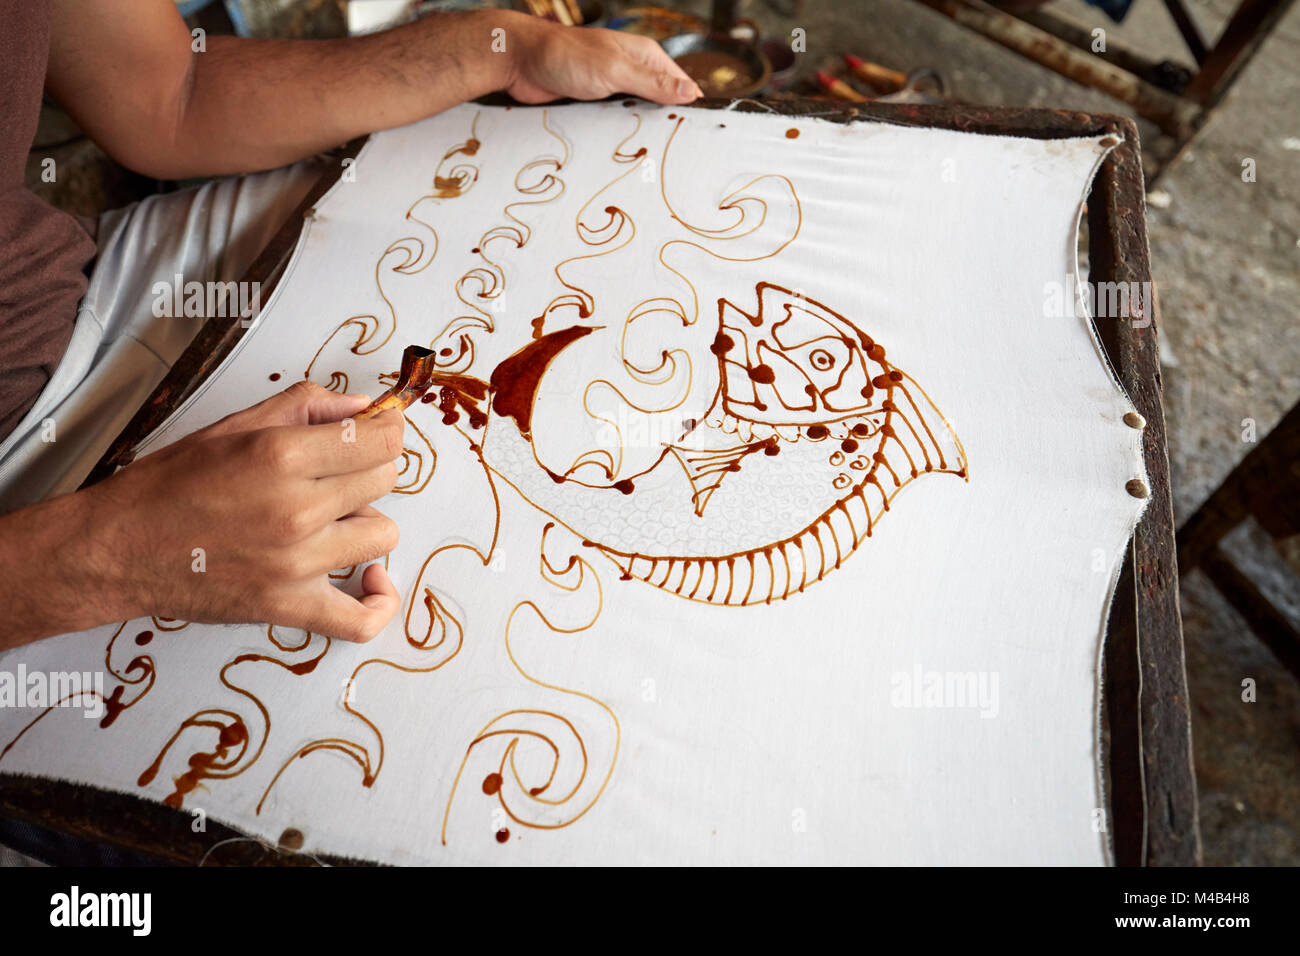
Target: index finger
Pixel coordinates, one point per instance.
(346, 446)
(302, 403)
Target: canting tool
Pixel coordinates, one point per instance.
(413, 380)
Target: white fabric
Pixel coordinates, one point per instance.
(120, 350)
(671, 730)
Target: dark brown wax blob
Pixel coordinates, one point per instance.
(447, 187)
(113, 706)
(515, 380)
(202, 765)
(457, 393)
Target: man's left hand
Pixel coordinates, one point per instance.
(549, 61)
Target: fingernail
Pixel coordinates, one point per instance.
(686, 88)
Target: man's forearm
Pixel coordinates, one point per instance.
(129, 76)
(52, 572)
(257, 104)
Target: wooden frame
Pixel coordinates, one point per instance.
(1147, 758)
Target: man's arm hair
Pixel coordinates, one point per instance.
(55, 569)
(127, 73)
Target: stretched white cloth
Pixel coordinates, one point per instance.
(767, 509)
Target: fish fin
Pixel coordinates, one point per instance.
(707, 467)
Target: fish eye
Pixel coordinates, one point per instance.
(822, 360)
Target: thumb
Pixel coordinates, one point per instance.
(659, 86)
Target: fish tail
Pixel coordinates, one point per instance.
(923, 439)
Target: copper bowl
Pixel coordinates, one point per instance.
(744, 50)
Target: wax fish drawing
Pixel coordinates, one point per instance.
(809, 436)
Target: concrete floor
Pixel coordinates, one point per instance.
(1226, 258)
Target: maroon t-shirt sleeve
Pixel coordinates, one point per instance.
(43, 251)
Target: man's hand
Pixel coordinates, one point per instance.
(550, 61)
(276, 496)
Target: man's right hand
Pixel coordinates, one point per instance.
(239, 522)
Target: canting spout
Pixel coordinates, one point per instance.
(413, 380)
